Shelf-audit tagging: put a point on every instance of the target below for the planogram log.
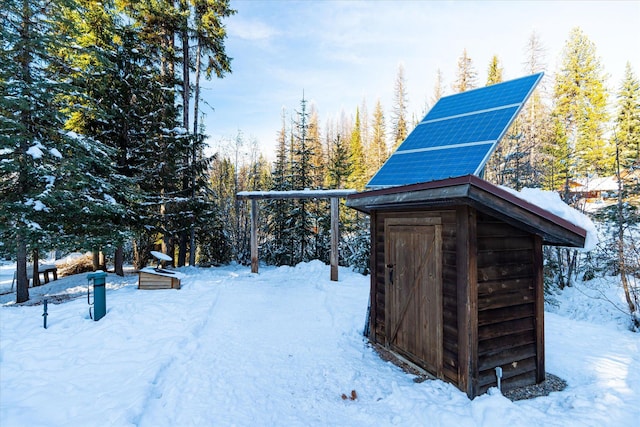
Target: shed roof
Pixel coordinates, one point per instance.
(480, 194)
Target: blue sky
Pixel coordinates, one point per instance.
(343, 52)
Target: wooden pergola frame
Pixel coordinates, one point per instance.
(333, 195)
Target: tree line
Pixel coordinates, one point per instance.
(102, 145)
(573, 128)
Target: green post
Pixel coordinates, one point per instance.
(99, 294)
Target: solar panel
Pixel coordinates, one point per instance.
(457, 136)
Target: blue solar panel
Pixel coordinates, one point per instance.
(458, 134)
(431, 165)
(501, 94)
(486, 126)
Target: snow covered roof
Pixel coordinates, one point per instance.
(536, 211)
(608, 183)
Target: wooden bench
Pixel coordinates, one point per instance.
(43, 269)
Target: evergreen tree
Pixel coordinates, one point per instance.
(378, 151)
(301, 224)
(628, 119)
(318, 208)
(278, 211)
(340, 167)
(494, 74)
(100, 59)
(465, 75)
(357, 177)
(399, 117)
(577, 147)
(580, 109)
(302, 153)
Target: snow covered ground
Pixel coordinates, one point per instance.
(279, 348)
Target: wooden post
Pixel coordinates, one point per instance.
(467, 294)
(538, 281)
(254, 236)
(335, 220)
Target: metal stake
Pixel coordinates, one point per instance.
(45, 314)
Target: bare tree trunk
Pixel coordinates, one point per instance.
(182, 248)
(194, 154)
(96, 260)
(182, 242)
(169, 248)
(561, 282)
(621, 261)
(22, 285)
(118, 261)
(36, 274)
(22, 282)
(141, 247)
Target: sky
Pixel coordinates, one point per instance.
(340, 54)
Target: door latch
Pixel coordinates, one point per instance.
(390, 273)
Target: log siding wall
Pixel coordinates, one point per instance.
(506, 304)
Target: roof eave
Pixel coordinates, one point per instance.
(473, 191)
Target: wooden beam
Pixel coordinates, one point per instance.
(294, 194)
(335, 234)
(254, 236)
(334, 195)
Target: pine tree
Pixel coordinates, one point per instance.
(95, 59)
(278, 211)
(628, 119)
(357, 178)
(465, 75)
(378, 151)
(577, 147)
(340, 167)
(580, 109)
(301, 176)
(399, 117)
(494, 73)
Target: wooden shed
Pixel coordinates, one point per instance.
(457, 281)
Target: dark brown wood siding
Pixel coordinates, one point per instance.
(449, 297)
(507, 279)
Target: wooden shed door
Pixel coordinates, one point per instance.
(413, 284)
